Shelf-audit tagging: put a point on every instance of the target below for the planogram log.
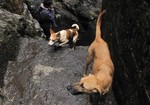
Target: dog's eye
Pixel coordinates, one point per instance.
(53, 40)
(82, 85)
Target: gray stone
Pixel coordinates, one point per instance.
(38, 77)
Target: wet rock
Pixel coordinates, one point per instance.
(126, 29)
(15, 6)
(12, 27)
(68, 12)
(38, 77)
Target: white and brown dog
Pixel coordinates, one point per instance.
(64, 36)
(100, 80)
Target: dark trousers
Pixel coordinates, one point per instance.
(46, 29)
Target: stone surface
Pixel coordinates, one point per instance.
(38, 77)
(15, 6)
(127, 30)
(68, 12)
(12, 27)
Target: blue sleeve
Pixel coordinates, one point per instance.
(46, 15)
(51, 16)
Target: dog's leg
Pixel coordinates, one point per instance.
(89, 100)
(74, 46)
(64, 43)
(95, 99)
(89, 60)
(71, 42)
(75, 38)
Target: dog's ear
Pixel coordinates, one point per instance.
(51, 31)
(58, 34)
(90, 74)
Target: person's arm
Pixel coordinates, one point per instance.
(46, 15)
(51, 16)
(52, 11)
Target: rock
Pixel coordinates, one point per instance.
(33, 73)
(69, 12)
(38, 77)
(126, 29)
(12, 27)
(15, 6)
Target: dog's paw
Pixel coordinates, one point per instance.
(70, 46)
(84, 75)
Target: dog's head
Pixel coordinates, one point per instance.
(88, 84)
(54, 38)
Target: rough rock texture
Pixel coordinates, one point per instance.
(15, 6)
(12, 26)
(127, 29)
(33, 75)
(68, 12)
(38, 77)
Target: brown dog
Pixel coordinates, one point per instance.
(64, 36)
(100, 80)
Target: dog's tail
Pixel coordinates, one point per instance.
(76, 26)
(98, 25)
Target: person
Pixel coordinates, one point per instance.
(47, 17)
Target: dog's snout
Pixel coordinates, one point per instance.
(69, 87)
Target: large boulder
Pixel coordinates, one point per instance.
(126, 29)
(12, 27)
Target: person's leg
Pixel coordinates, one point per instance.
(46, 30)
(47, 33)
